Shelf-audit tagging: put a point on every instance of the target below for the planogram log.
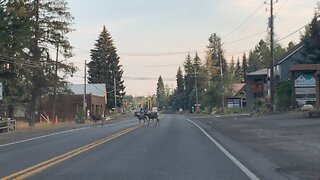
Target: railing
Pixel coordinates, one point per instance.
(8, 124)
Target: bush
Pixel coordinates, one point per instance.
(80, 117)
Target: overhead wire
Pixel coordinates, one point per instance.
(285, 37)
(243, 22)
(245, 38)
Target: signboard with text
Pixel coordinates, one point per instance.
(305, 80)
(305, 88)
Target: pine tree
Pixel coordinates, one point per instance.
(180, 89)
(263, 52)
(161, 94)
(189, 81)
(291, 45)
(51, 21)
(254, 63)
(238, 71)
(196, 63)
(311, 41)
(244, 67)
(232, 69)
(30, 28)
(15, 34)
(216, 52)
(104, 68)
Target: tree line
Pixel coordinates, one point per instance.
(29, 31)
(34, 49)
(201, 80)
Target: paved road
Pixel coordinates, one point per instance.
(175, 150)
(279, 146)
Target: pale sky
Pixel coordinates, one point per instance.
(153, 36)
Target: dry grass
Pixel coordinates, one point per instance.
(24, 126)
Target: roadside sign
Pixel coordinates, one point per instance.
(1, 97)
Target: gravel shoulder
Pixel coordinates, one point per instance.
(289, 143)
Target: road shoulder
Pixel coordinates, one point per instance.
(255, 141)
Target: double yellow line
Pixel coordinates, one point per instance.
(53, 161)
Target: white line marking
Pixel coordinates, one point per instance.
(57, 133)
(35, 138)
(230, 156)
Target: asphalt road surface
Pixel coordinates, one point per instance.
(177, 149)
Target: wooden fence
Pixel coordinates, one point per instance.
(7, 125)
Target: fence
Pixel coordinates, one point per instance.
(8, 125)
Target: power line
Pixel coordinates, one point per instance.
(139, 78)
(26, 63)
(292, 33)
(245, 38)
(243, 22)
(159, 65)
(161, 53)
(147, 78)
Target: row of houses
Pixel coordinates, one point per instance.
(304, 79)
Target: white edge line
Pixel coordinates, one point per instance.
(230, 156)
(53, 134)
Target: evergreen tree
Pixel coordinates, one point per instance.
(196, 63)
(238, 71)
(311, 41)
(200, 80)
(189, 81)
(216, 52)
(31, 27)
(15, 34)
(254, 63)
(244, 67)
(262, 52)
(232, 69)
(178, 95)
(161, 94)
(104, 68)
(291, 45)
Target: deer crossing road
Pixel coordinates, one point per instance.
(177, 149)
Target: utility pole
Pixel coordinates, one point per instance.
(196, 83)
(55, 84)
(85, 88)
(221, 76)
(271, 24)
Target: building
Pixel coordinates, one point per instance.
(70, 105)
(258, 82)
(256, 87)
(282, 68)
(238, 98)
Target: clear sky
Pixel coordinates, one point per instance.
(153, 37)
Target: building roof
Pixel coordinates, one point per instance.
(94, 89)
(237, 88)
(295, 49)
(260, 72)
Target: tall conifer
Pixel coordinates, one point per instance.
(104, 68)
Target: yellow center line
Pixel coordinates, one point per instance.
(53, 161)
